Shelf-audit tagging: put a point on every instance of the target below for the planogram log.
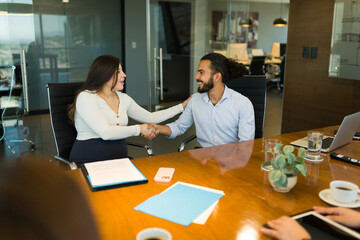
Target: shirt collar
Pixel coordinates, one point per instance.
(225, 95)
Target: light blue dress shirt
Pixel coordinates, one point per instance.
(230, 120)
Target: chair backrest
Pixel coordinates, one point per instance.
(60, 96)
(257, 65)
(253, 87)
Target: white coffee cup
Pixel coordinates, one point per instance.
(344, 192)
(153, 233)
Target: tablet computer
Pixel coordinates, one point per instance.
(320, 227)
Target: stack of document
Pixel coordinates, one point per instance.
(182, 203)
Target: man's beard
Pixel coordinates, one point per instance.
(207, 86)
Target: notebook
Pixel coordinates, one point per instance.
(344, 135)
(113, 173)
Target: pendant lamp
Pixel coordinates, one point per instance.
(246, 22)
(280, 22)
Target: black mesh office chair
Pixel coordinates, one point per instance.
(60, 96)
(253, 87)
(257, 65)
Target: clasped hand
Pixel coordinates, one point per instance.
(149, 131)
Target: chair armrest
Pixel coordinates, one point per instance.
(71, 165)
(185, 141)
(147, 147)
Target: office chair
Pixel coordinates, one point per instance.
(275, 74)
(254, 88)
(60, 96)
(257, 65)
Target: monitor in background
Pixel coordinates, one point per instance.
(275, 50)
(282, 49)
(238, 51)
(257, 52)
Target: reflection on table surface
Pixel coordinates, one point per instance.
(234, 168)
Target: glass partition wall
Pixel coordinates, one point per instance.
(49, 41)
(180, 32)
(56, 41)
(185, 30)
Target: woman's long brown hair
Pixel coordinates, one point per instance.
(101, 71)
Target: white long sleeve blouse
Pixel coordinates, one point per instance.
(95, 119)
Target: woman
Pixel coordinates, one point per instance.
(100, 113)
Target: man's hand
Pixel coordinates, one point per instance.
(155, 127)
(285, 228)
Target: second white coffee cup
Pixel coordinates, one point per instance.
(344, 191)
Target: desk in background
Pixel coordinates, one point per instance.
(249, 200)
(267, 61)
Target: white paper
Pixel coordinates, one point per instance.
(202, 218)
(114, 171)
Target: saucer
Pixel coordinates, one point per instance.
(325, 195)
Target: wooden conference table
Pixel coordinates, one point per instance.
(234, 168)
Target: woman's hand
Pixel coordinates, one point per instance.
(186, 102)
(348, 217)
(147, 132)
(285, 228)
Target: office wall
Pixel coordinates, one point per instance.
(136, 58)
(311, 98)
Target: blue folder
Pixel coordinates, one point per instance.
(181, 204)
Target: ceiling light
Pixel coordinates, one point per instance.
(280, 22)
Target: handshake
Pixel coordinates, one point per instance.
(149, 131)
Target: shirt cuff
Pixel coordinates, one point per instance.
(137, 130)
(172, 131)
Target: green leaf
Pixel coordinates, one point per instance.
(275, 175)
(301, 152)
(301, 169)
(291, 158)
(274, 163)
(272, 175)
(288, 149)
(299, 161)
(282, 182)
(280, 160)
(294, 170)
(278, 147)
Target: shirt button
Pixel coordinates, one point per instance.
(117, 124)
(117, 116)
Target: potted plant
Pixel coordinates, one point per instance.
(285, 166)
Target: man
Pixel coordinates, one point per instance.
(221, 115)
